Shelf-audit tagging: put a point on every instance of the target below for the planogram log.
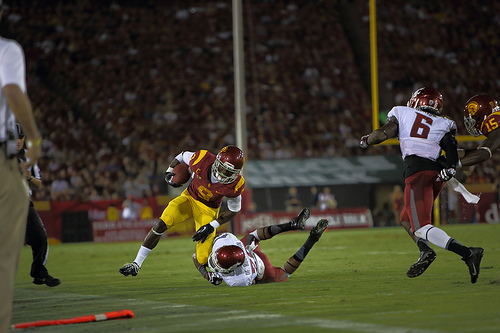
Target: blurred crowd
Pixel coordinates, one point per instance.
(121, 87)
(453, 48)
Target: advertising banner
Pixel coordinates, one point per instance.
(338, 219)
(121, 230)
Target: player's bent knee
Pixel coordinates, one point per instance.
(422, 232)
(202, 258)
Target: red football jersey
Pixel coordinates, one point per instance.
(202, 189)
(490, 123)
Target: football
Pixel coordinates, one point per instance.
(182, 174)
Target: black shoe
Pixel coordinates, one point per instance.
(318, 230)
(473, 262)
(130, 269)
(48, 280)
(419, 267)
(298, 223)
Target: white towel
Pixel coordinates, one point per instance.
(458, 187)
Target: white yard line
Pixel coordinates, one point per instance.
(205, 316)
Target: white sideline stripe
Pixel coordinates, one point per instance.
(276, 320)
(371, 328)
(237, 315)
(389, 252)
(326, 323)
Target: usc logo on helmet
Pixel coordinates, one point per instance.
(472, 107)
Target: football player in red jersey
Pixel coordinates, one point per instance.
(481, 117)
(213, 178)
(423, 133)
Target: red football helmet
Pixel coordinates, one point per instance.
(476, 110)
(228, 164)
(226, 259)
(427, 99)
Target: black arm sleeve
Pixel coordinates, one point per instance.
(449, 145)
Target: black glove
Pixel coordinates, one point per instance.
(202, 233)
(447, 174)
(168, 178)
(214, 279)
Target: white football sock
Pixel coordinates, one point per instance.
(434, 235)
(141, 255)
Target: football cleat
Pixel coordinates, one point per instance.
(419, 267)
(48, 280)
(298, 223)
(130, 269)
(318, 230)
(473, 262)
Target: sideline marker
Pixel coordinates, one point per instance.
(121, 314)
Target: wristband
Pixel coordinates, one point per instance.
(215, 224)
(34, 143)
(486, 148)
(156, 233)
(169, 169)
(30, 178)
(386, 135)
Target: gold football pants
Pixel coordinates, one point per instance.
(182, 208)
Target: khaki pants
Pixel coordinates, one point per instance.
(14, 203)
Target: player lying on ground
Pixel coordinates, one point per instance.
(242, 263)
(213, 178)
(423, 132)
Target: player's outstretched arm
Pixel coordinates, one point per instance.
(211, 277)
(484, 151)
(379, 135)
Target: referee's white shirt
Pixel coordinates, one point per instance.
(12, 71)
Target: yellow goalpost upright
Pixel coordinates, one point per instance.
(375, 99)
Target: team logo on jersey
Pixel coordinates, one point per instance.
(472, 108)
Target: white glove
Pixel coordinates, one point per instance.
(214, 278)
(364, 142)
(447, 174)
(252, 246)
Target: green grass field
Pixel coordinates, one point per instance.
(351, 281)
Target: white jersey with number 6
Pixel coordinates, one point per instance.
(420, 132)
(243, 275)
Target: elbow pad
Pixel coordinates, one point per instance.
(234, 204)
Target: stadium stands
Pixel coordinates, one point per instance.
(120, 87)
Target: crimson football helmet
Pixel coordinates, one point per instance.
(226, 259)
(228, 164)
(476, 110)
(427, 99)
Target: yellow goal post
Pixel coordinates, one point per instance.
(375, 96)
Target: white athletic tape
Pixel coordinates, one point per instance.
(100, 317)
